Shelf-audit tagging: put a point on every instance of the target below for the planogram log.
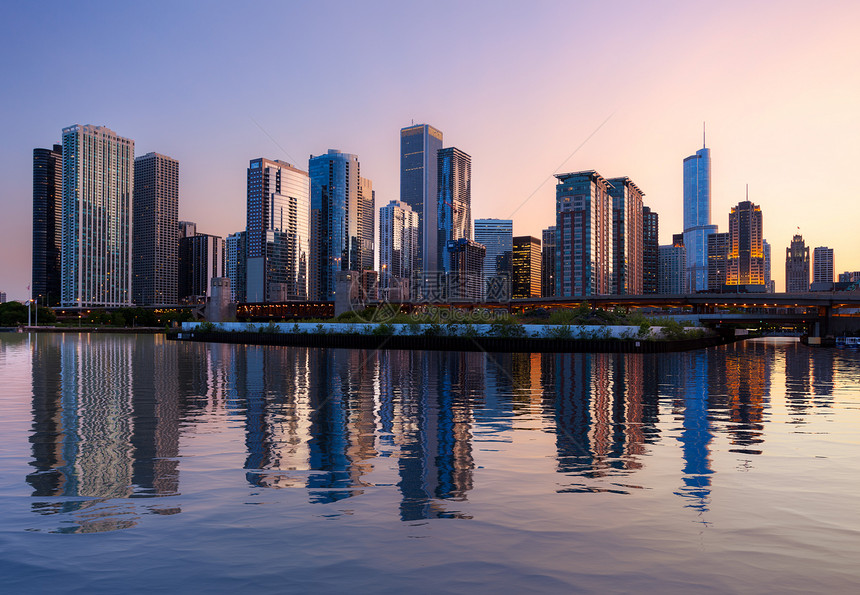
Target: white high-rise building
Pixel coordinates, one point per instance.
(98, 194)
(822, 267)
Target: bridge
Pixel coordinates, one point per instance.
(818, 312)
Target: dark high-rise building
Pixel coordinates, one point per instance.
(746, 256)
(335, 218)
(453, 205)
(47, 224)
(627, 247)
(155, 274)
(201, 258)
(278, 239)
(547, 272)
(650, 249)
(672, 268)
(719, 246)
(465, 279)
(398, 244)
(583, 224)
(526, 267)
(797, 266)
(419, 145)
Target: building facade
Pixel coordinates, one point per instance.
(98, 191)
(627, 243)
(719, 246)
(453, 206)
(497, 237)
(277, 265)
(464, 280)
(47, 225)
(672, 269)
(366, 225)
(398, 243)
(201, 260)
(746, 256)
(526, 281)
(335, 188)
(797, 266)
(650, 249)
(822, 267)
(697, 218)
(548, 262)
(155, 272)
(235, 258)
(419, 145)
(583, 224)
(768, 278)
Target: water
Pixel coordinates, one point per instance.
(133, 464)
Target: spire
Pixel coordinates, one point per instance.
(748, 192)
(704, 144)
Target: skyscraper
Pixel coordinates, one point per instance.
(547, 272)
(366, 224)
(526, 268)
(335, 216)
(719, 246)
(583, 224)
(797, 266)
(822, 268)
(47, 224)
(768, 279)
(672, 269)
(278, 232)
(155, 275)
(626, 236)
(398, 242)
(697, 218)
(464, 279)
(746, 255)
(497, 236)
(234, 264)
(453, 206)
(201, 259)
(419, 145)
(650, 249)
(98, 191)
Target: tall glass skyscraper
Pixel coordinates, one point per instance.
(453, 206)
(98, 190)
(746, 253)
(278, 233)
(697, 218)
(235, 248)
(47, 224)
(335, 190)
(419, 145)
(548, 262)
(627, 247)
(155, 278)
(650, 247)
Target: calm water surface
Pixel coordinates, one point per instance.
(133, 464)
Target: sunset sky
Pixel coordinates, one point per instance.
(519, 86)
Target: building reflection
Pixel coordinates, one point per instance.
(99, 431)
(605, 410)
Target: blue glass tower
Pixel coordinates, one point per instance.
(419, 145)
(453, 206)
(697, 218)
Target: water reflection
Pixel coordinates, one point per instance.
(110, 412)
(99, 431)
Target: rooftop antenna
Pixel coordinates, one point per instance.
(748, 192)
(704, 145)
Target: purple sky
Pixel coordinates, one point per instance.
(519, 86)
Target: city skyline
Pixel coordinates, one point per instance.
(761, 128)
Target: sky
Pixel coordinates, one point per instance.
(527, 89)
